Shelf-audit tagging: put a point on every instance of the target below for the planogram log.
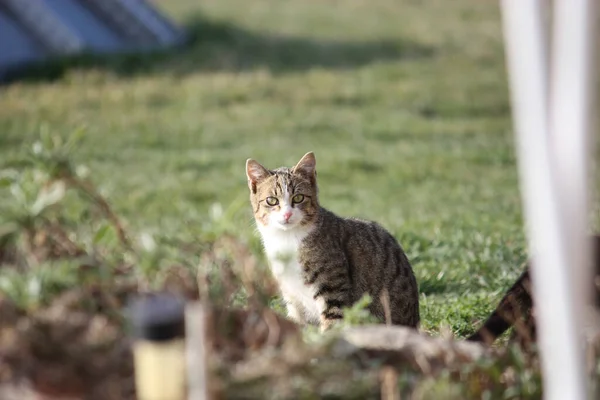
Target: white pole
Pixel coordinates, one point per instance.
(571, 107)
(562, 359)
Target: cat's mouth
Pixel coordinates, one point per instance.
(286, 224)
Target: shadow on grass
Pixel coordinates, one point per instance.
(223, 46)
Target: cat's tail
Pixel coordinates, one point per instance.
(515, 305)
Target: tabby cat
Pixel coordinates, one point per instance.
(323, 262)
(517, 308)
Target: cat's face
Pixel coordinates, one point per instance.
(285, 198)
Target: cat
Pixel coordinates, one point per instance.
(517, 308)
(323, 262)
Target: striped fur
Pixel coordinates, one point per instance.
(323, 262)
(517, 307)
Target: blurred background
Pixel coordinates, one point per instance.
(124, 172)
(405, 104)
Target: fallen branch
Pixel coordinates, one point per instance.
(396, 344)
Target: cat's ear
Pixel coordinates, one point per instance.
(256, 173)
(307, 166)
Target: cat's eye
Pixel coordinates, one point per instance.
(272, 201)
(297, 199)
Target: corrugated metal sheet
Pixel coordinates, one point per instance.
(33, 30)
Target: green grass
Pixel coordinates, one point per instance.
(404, 103)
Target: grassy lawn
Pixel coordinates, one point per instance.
(404, 103)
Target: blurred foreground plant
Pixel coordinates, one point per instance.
(45, 195)
(56, 229)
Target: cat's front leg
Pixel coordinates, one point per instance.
(294, 311)
(332, 288)
(330, 309)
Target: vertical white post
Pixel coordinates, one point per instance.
(526, 53)
(571, 109)
(196, 352)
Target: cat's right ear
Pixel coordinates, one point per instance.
(255, 173)
(307, 166)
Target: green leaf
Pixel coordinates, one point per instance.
(5, 181)
(75, 138)
(7, 229)
(45, 142)
(101, 234)
(7, 177)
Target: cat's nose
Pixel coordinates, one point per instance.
(287, 215)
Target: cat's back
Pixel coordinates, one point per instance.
(370, 250)
(350, 233)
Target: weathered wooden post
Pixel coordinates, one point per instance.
(196, 351)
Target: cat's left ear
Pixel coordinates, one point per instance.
(307, 166)
(255, 173)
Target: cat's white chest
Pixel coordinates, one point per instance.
(281, 248)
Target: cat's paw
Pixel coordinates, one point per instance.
(326, 324)
(295, 315)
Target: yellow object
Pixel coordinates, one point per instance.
(160, 369)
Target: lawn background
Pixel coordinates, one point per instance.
(405, 104)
